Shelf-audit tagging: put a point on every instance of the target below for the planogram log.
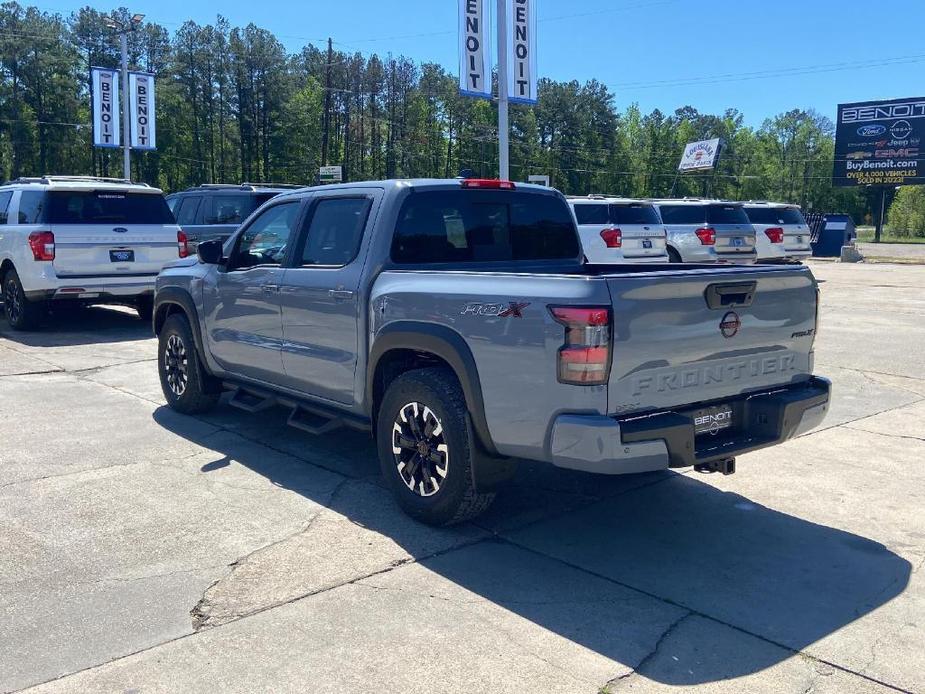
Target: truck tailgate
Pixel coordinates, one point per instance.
(703, 335)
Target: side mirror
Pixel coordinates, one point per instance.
(210, 252)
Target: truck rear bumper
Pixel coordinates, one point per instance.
(662, 440)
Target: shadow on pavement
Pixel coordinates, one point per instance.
(74, 325)
(669, 536)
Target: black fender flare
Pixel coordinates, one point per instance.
(442, 342)
(180, 297)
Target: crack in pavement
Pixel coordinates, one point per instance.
(651, 654)
(881, 433)
(704, 615)
(201, 611)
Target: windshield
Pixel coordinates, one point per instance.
(107, 207)
(483, 226)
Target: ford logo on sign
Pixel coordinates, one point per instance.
(871, 130)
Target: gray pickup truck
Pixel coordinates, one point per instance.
(456, 321)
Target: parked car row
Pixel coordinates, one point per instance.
(97, 240)
(689, 230)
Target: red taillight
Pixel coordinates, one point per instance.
(612, 237)
(775, 234)
(182, 244)
(42, 244)
(584, 359)
(487, 183)
(707, 236)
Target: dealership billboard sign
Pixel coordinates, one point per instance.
(880, 143)
(474, 52)
(700, 155)
(104, 97)
(141, 110)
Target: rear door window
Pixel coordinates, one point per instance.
(107, 207)
(775, 215)
(5, 198)
(591, 214)
(335, 231)
(791, 215)
(682, 214)
(32, 207)
(483, 226)
(229, 209)
(187, 211)
(726, 214)
(635, 213)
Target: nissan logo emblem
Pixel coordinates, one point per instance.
(730, 324)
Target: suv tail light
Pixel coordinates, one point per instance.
(42, 244)
(775, 234)
(487, 183)
(182, 244)
(612, 237)
(707, 236)
(584, 359)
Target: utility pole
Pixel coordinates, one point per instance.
(326, 119)
(126, 136)
(123, 31)
(504, 152)
(878, 231)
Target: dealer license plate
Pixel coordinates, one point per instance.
(712, 420)
(122, 255)
(647, 243)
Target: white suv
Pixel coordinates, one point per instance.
(782, 233)
(82, 239)
(619, 230)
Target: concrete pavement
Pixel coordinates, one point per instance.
(141, 550)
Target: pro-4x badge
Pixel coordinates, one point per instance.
(512, 310)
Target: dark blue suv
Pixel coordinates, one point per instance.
(216, 210)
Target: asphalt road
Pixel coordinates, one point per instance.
(145, 551)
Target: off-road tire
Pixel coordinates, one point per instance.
(21, 314)
(200, 390)
(457, 498)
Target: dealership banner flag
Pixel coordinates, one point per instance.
(700, 155)
(104, 102)
(474, 51)
(141, 110)
(520, 45)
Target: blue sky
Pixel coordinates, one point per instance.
(760, 57)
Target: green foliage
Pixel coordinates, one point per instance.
(233, 105)
(907, 214)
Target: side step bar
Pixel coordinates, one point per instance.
(312, 422)
(306, 416)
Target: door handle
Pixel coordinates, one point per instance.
(340, 293)
(270, 288)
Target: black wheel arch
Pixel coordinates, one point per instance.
(172, 300)
(405, 345)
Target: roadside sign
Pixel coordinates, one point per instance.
(700, 155)
(541, 180)
(331, 174)
(879, 143)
